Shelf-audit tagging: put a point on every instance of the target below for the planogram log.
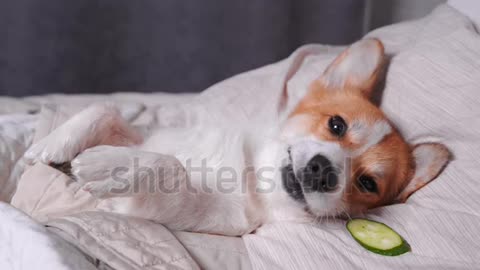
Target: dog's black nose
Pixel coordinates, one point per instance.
(319, 175)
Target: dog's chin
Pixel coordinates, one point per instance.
(323, 205)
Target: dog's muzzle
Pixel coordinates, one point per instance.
(319, 175)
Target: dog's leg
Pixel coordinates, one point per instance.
(158, 187)
(99, 124)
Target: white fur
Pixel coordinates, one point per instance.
(325, 204)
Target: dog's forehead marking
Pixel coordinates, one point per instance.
(296, 126)
(367, 135)
(378, 168)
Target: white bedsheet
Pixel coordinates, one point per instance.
(27, 245)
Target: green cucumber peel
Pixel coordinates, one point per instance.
(377, 237)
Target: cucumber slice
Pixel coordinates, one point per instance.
(377, 237)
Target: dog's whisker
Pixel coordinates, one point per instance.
(346, 213)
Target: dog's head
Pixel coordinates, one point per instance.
(345, 155)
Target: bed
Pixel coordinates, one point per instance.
(432, 87)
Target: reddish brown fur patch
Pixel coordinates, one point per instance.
(392, 152)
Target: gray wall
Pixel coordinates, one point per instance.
(102, 46)
(92, 46)
(384, 12)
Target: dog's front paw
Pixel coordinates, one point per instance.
(101, 170)
(52, 149)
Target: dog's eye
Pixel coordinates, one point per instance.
(337, 126)
(367, 183)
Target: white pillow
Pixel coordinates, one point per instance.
(471, 8)
(432, 93)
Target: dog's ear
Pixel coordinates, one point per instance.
(430, 159)
(357, 68)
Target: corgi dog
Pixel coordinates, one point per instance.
(335, 154)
